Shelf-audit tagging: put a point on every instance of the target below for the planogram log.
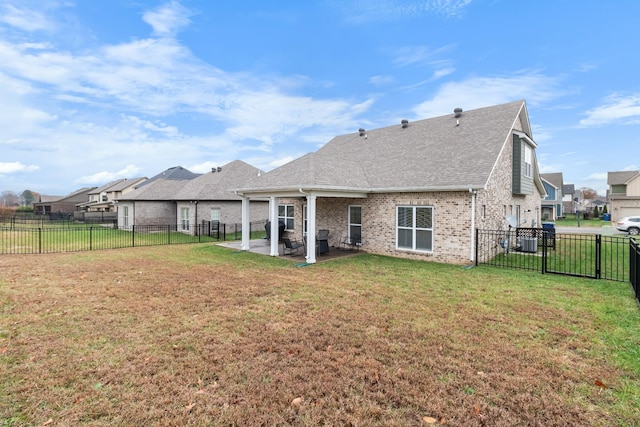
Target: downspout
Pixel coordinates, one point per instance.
(473, 224)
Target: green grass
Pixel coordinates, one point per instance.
(571, 221)
(205, 335)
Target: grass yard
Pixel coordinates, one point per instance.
(202, 335)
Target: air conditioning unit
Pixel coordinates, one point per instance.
(529, 244)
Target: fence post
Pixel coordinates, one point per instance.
(40, 240)
(476, 248)
(598, 256)
(133, 236)
(91, 238)
(168, 234)
(544, 250)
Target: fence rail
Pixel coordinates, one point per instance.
(584, 255)
(20, 239)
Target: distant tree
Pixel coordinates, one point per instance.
(28, 197)
(9, 199)
(596, 212)
(589, 193)
(604, 209)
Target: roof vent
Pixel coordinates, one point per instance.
(361, 131)
(213, 170)
(458, 112)
(219, 169)
(405, 123)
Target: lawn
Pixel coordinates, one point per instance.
(571, 221)
(202, 335)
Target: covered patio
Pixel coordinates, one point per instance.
(263, 247)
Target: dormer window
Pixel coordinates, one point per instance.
(528, 161)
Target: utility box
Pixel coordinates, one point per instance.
(529, 244)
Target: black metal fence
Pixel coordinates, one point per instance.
(20, 239)
(634, 264)
(585, 255)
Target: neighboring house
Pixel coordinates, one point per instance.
(552, 203)
(624, 194)
(61, 204)
(102, 199)
(210, 200)
(568, 199)
(152, 202)
(415, 190)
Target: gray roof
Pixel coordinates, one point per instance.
(554, 178)
(174, 173)
(126, 183)
(219, 184)
(105, 187)
(158, 190)
(621, 177)
(428, 155)
(568, 189)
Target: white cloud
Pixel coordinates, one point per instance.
(360, 12)
(15, 167)
(616, 108)
(105, 177)
(167, 19)
(382, 80)
(479, 92)
(23, 18)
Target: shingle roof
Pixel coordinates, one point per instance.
(554, 178)
(621, 177)
(219, 184)
(174, 173)
(568, 189)
(430, 154)
(126, 183)
(159, 189)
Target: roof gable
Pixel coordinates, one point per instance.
(440, 153)
(220, 183)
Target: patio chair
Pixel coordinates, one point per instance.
(350, 243)
(291, 248)
(322, 240)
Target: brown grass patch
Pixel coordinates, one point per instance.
(169, 336)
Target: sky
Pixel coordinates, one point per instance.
(94, 91)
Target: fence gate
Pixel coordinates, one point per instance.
(584, 255)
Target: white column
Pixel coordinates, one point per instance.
(274, 232)
(246, 224)
(311, 229)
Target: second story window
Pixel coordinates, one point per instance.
(528, 162)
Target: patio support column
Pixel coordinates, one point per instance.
(246, 224)
(275, 226)
(311, 229)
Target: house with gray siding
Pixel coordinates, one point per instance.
(624, 194)
(414, 190)
(552, 206)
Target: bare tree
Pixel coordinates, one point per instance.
(589, 193)
(9, 199)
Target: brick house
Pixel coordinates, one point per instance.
(178, 196)
(624, 194)
(414, 190)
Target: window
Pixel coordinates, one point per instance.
(125, 216)
(414, 228)
(528, 161)
(304, 220)
(184, 219)
(285, 214)
(355, 222)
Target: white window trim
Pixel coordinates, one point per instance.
(413, 228)
(350, 224)
(184, 222)
(285, 217)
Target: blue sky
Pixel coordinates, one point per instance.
(92, 91)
